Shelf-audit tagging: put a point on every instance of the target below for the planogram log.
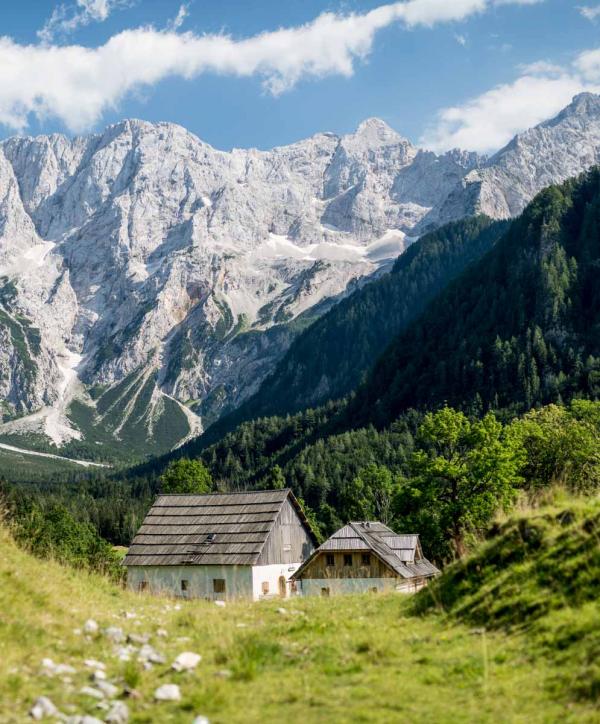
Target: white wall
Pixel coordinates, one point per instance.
(271, 574)
(167, 580)
(336, 586)
(240, 581)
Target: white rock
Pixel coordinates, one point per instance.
(186, 661)
(109, 690)
(90, 626)
(94, 664)
(149, 653)
(42, 708)
(114, 634)
(220, 603)
(201, 720)
(167, 692)
(91, 691)
(282, 611)
(99, 675)
(118, 714)
(162, 633)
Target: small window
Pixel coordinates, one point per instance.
(366, 559)
(287, 547)
(330, 559)
(219, 585)
(374, 590)
(184, 584)
(265, 587)
(347, 559)
(325, 592)
(142, 586)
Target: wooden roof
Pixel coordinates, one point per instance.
(217, 529)
(401, 553)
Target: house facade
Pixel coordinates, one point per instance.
(222, 546)
(365, 556)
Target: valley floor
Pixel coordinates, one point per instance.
(354, 659)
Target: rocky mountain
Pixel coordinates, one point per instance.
(150, 282)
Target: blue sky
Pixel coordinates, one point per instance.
(472, 79)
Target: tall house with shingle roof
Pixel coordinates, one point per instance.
(221, 546)
(365, 556)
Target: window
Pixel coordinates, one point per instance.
(219, 585)
(325, 592)
(374, 590)
(366, 559)
(184, 584)
(330, 559)
(142, 585)
(265, 587)
(347, 559)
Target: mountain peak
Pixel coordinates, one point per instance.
(376, 130)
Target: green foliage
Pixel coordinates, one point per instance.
(370, 495)
(462, 472)
(275, 479)
(562, 446)
(516, 330)
(50, 531)
(186, 476)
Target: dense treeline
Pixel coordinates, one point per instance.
(46, 528)
(517, 330)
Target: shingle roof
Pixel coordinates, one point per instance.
(402, 553)
(222, 528)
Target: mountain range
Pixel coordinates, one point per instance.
(150, 283)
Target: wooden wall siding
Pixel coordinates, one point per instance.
(288, 541)
(318, 568)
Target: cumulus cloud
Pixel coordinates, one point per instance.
(69, 18)
(77, 84)
(489, 121)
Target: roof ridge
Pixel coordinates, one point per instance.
(236, 492)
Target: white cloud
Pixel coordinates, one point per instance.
(590, 12)
(179, 19)
(77, 84)
(489, 121)
(460, 39)
(69, 18)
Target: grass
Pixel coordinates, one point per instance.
(362, 658)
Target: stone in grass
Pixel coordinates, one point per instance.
(186, 661)
(109, 690)
(118, 714)
(82, 719)
(91, 691)
(93, 664)
(114, 634)
(220, 603)
(90, 626)
(201, 720)
(167, 692)
(42, 708)
(138, 639)
(149, 654)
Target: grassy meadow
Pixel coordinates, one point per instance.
(500, 637)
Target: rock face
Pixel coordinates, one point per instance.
(149, 281)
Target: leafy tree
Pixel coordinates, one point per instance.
(562, 446)
(463, 471)
(369, 495)
(275, 480)
(186, 476)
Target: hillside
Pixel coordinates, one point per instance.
(518, 329)
(259, 661)
(331, 357)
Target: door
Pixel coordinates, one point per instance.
(282, 587)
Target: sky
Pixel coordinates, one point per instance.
(261, 73)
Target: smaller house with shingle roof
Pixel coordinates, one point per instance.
(220, 546)
(365, 556)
